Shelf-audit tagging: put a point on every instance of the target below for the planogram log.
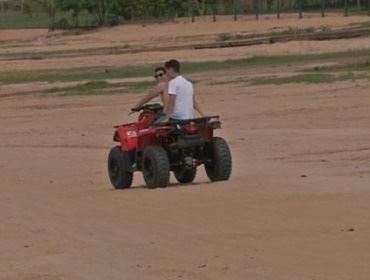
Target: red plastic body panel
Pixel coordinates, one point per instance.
(145, 120)
(137, 136)
(148, 137)
(128, 136)
(208, 134)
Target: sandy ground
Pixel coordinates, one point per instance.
(297, 205)
(299, 187)
(21, 35)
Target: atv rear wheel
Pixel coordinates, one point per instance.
(156, 167)
(117, 169)
(219, 164)
(184, 175)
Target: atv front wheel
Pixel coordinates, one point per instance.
(219, 164)
(184, 175)
(156, 167)
(117, 169)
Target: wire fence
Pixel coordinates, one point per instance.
(45, 13)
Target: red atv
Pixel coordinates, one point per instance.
(157, 149)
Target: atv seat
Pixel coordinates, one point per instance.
(201, 122)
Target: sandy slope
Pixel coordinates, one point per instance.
(179, 33)
(294, 47)
(296, 207)
(183, 27)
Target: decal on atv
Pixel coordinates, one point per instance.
(131, 134)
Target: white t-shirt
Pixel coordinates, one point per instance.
(184, 103)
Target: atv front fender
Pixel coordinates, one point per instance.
(127, 136)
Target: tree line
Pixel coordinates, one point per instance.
(112, 12)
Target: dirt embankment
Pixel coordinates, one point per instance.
(47, 51)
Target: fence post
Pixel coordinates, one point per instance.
(189, 8)
(323, 8)
(215, 10)
(169, 11)
(2, 11)
(300, 8)
(345, 8)
(256, 9)
(235, 4)
(278, 8)
(172, 11)
(53, 11)
(192, 8)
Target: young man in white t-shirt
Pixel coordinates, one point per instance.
(181, 100)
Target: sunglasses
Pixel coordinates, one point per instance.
(159, 75)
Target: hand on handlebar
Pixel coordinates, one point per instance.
(136, 109)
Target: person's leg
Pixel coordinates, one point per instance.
(174, 120)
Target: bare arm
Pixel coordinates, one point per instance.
(197, 107)
(150, 95)
(170, 105)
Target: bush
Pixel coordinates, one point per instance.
(112, 19)
(60, 24)
(224, 37)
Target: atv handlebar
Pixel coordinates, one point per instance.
(156, 107)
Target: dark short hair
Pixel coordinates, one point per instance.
(173, 64)
(159, 69)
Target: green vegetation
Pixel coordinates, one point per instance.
(104, 88)
(101, 73)
(99, 88)
(40, 14)
(64, 53)
(362, 66)
(360, 24)
(79, 74)
(16, 20)
(312, 78)
(290, 31)
(308, 78)
(365, 24)
(66, 14)
(325, 74)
